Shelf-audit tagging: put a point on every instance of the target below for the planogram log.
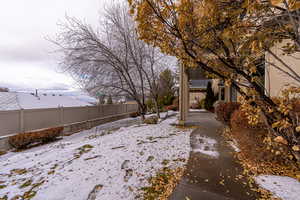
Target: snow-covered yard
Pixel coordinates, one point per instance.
(95, 164)
(283, 187)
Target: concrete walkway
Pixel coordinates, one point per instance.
(208, 177)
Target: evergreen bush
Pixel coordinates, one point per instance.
(210, 97)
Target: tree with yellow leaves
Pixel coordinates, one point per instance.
(227, 39)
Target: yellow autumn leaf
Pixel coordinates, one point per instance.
(276, 2)
(296, 148)
(276, 124)
(254, 46)
(295, 5)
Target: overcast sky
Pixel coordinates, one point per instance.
(26, 60)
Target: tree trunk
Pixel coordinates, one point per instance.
(157, 108)
(142, 110)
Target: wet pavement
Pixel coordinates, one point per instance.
(208, 177)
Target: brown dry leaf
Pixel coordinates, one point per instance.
(280, 139)
(256, 158)
(163, 184)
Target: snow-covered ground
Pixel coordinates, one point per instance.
(283, 187)
(94, 164)
(197, 110)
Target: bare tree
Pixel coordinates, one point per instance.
(111, 60)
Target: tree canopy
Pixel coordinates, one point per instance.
(228, 39)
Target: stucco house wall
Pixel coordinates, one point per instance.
(275, 80)
(196, 96)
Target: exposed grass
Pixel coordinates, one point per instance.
(163, 184)
(3, 186)
(84, 149)
(165, 162)
(26, 184)
(150, 158)
(29, 195)
(19, 171)
(2, 153)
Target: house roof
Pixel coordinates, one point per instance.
(18, 100)
(195, 73)
(29, 101)
(9, 101)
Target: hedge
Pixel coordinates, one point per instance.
(23, 140)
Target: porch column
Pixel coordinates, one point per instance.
(183, 96)
(227, 94)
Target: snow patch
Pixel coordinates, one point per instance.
(206, 146)
(198, 110)
(281, 186)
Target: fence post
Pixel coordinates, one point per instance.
(22, 128)
(61, 115)
(89, 123)
(100, 111)
(126, 109)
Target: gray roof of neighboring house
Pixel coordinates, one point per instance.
(199, 84)
(18, 100)
(9, 101)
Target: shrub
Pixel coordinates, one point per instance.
(225, 110)
(23, 140)
(166, 100)
(259, 156)
(109, 100)
(172, 107)
(163, 109)
(134, 115)
(176, 101)
(151, 120)
(210, 97)
(150, 105)
(239, 120)
(4, 89)
(195, 106)
(217, 103)
(202, 104)
(296, 105)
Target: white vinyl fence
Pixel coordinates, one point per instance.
(18, 121)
